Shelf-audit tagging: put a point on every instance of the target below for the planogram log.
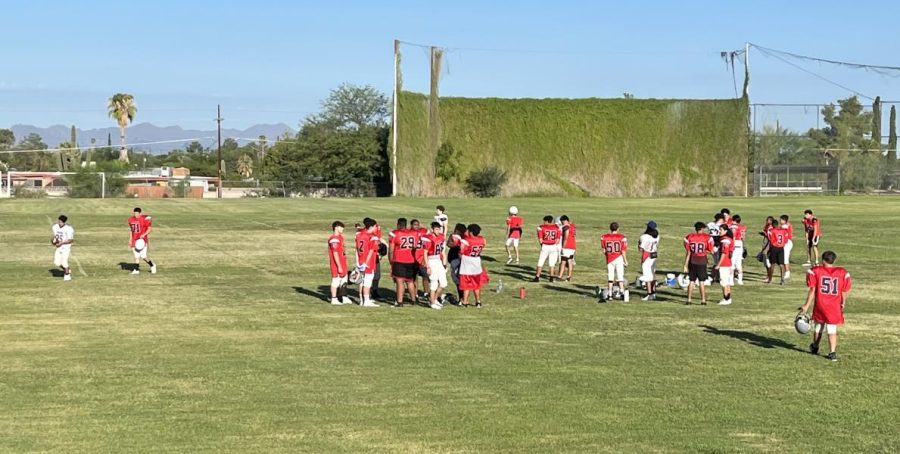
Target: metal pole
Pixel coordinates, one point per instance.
(102, 185)
(219, 141)
(394, 117)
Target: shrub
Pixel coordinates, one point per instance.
(486, 182)
(447, 163)
(25, 192)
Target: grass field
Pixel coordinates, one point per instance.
(230, 348)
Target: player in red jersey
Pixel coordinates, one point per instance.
(402, 255)
(777, 238)
(548, 236)
(811, 226)
(472, 275)
(435, 263)
(739, 233)
(725, 265)
(368, 241)
(420, 256)
(784, 222)
(697, 246)
(513, 234)
(828, 288)
(338, 262)
(140, 227)
(567, 255)
(614, 245)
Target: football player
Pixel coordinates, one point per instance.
(725, 265)
(614, 245)
(471, 274)
(513, 233)
(567, 254)
(828, 288)
(440, 216)
(739, 232)
(141, 226)
(435, 263)
(777, 237)
(338, 263)
(453, 256)
(63, 237)
(811, 226)
(367, 242)
(401, 254)
(648, 243)
(789, 245)
(548, 236)
(420, 256)
(697, 246)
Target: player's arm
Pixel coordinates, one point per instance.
(391, 250)
(810, 297)
(624, 250)
(337, 261)
(687, 255)
(149, 229)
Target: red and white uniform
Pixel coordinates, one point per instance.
(514, 224)
(434, 250)
(778, 237)
(569, 240)
(699, 244)
(614, 246)
(649, 246)
(366, 242)
(813, 232)
(549, 235)
(740, 233)
(789, 244)
(405, 242)
(420, 247)
(830, 284)
(336, 246)
(140, 226)
(726, 270)
(471, 274)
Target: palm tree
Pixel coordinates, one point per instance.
(122, 109)
(245, 166)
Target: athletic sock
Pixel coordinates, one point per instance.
(150, 262)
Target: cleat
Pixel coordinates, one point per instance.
(814, 349)
(725, 302)
(478, 306)
(336, 302)
(649, 297)
(552, 278)
(67, 277)
(517, 261)
(509, 260)
(687, 303)
(536, 279)
(369, 304)
(781, 283)
(135, 272)
(346, 300)
(703, 303)
(740, 281)
(833, 357)
(436, 306)
(153, 269)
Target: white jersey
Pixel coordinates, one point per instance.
(648, 243)
(443, 220)
(64, 233)
(714, 228)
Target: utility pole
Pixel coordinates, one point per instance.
(395, 116)
(219, 160)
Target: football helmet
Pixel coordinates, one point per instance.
(802, 324)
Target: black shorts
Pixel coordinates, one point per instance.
(406, 271)
(776, 255)
(812, 241)
(423, 271)
(697, 272)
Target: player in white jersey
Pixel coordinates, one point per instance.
(440, 216)
(649, 246)
(715, 231)
(63, 237)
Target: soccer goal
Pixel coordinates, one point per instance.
(769, 180)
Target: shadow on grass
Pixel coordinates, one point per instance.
(323, 293)
(754, 339)
(56, 272)
(127, 266)
(576, 290)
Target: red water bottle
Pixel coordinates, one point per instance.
(521, 293)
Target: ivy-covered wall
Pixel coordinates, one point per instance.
(597, 147)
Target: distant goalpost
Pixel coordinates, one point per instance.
(7, 189)
(770, 180)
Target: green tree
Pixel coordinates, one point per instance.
(447, 163)
(353, 107)
(194, 148)
(779, 145)
(876, 121)
(245, 166)
(122, 108)
(486, 182)
(892, 139)
(7, 139)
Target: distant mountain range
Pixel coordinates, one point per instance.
(146, 132)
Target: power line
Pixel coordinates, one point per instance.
(559, 52)
(107, 146)
(819, 76)
(893, 71)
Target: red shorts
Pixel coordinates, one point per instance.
(831, 314)
(470, 281)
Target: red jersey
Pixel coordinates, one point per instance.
(614, 245)
(726, 249)
(548, 233)
(739, 231)
(514, 222)
(405, 242)
(830, 283)
(811, 226)
(568, 232)
(698, 244)
(420, 247)
(336, 245)
(789, 227)
(470, 249)
(366, 242)
(139, 227)
(778, 237)
(433, 245)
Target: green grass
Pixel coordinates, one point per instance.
(228, 349)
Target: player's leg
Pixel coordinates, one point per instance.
(788, 247)
(703, 293)
(816, 250)
(620, 274)
(610, 279)
(413, 291)
(335, 286)
(454, 275)
(818, 330)
(571, 265)
(477, 297)
(509, 257)
(690, 291)
(67, 272)
(832, 341)
(542, 258)
(516, 249)
(342, 290)
(366, 300)
(553, 258)
(376, 279)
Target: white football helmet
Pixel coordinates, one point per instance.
(355, 277)
(683, 281)
(513, 210)
(140, 244)
(801, 324)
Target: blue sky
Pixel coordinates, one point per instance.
(269, 62)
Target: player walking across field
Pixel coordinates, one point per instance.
(813, 233)
(828, 288)
(568, 243)
(614, 246)
(513, 234)
(141, 226)
(338, 263)
(648, 243)
(63, 237)
(697, 246)
(548, 236)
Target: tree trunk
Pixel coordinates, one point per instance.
(123, 151)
